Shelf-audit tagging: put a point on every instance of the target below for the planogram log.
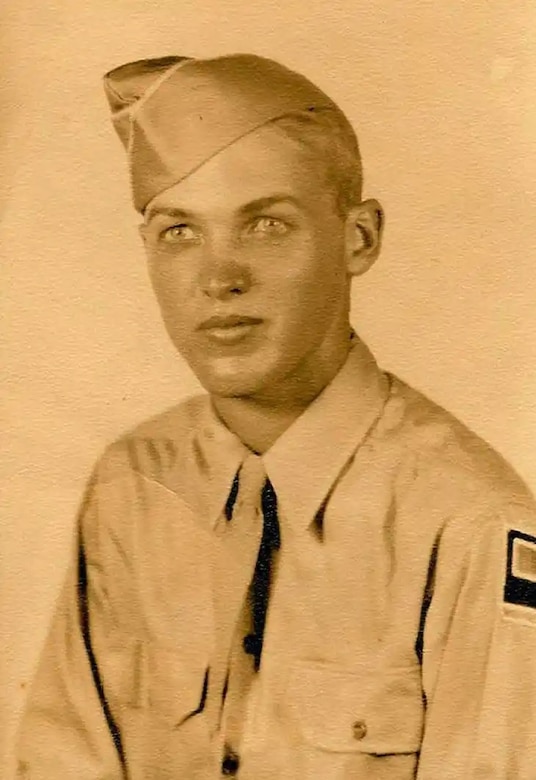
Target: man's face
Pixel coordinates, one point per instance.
(247, 258)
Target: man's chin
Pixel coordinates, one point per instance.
(232, 378)
(231, 388)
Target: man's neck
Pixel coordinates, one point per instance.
(257, 426)
(259, 422)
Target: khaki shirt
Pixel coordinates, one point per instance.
(401, 633)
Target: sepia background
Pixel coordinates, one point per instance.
(442, 95)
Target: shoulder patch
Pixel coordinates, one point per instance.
(520, 582)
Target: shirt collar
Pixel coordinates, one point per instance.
(219, 454)
(304, 463)
(306, 460)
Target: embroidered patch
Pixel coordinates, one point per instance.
(520, 585)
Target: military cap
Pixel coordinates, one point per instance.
(175, 113)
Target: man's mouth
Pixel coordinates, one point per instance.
(228, 328)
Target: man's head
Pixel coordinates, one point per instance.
(249, 180)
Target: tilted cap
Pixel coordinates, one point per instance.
(174, 113)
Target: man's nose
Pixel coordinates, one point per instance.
(224, 274)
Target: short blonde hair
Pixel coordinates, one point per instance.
(330, 137)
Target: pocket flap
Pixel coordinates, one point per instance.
(176, 687)
(138, 674)
(365, 709)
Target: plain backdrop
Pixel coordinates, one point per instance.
(442, 96)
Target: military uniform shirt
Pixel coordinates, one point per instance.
(400, 640)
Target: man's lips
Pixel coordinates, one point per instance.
(223, 321)
(228, 329)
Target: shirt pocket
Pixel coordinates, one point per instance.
(158, 679)
(157, 693)
(368, 709)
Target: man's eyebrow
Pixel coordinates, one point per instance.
(263, 203)
(167, 211)
(249, 208)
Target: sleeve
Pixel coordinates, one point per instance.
(479, 652)
(67, 729)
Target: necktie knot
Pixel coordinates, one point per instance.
(251, 479)
(246, 491)
(271, 534)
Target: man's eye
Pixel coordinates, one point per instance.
(178, 233)
(270, 225)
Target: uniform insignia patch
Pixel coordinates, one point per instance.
(520, 585)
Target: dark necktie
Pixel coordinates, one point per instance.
(262, 576)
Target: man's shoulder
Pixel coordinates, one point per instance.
(443, 453)
(156, 444)
(174, 422)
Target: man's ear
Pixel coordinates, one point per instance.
(363, 235)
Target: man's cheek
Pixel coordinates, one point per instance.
(171, 296)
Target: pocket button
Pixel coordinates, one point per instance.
(359, 729)
(230, 763)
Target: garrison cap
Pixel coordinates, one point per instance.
(175, 113)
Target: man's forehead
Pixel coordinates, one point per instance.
(174, 114)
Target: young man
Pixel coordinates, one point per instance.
(312, 571)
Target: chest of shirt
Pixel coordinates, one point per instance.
(352, 579)
(343, 618)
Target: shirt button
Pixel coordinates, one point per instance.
(359, 729)
(230, 763)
